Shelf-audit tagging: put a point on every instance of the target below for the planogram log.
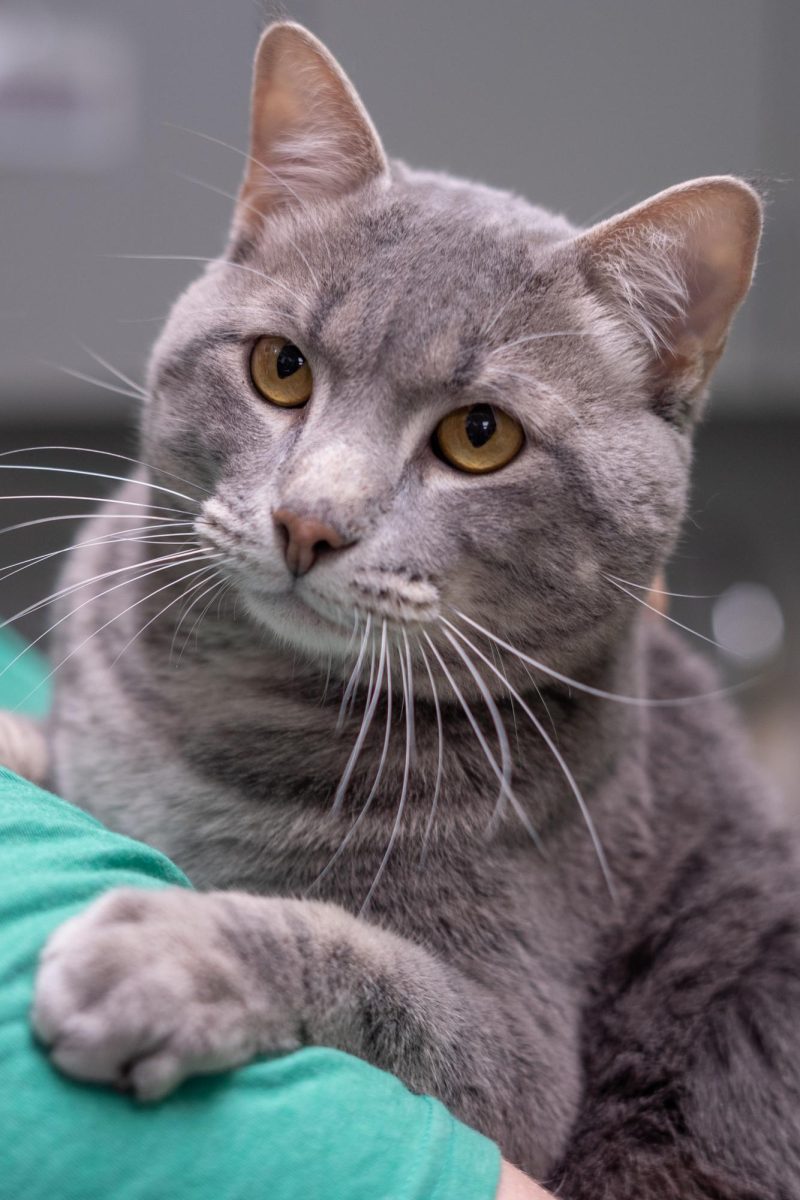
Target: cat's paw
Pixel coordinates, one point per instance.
(147, 987)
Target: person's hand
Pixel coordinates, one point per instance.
(516, 1186)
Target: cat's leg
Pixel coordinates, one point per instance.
(23, 748)
(146, 988)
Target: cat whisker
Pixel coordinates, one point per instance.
(326, 685)
(498, 661)
(120, 375)
(203, 572)
(600, 693)
(355, 675)
(76, 649)
(648, 587)
(502, 736)
(500, 773)
(220, 585)
(439, 758)
(100, 383)
(384, 666)
(107, 454)
(155, 487)
(157, 508)
(183, 615)
(251, 208)
(401, 804)
(369, 712)
(123, 535)
(307, 209)
(679, 624)
(166, 561)
(540, 695)
(410, 695)
(85, 516)
(554, 750)
(355, 680)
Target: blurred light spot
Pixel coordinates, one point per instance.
(748, 622)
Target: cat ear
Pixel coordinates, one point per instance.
(310, 137)
(676, 268)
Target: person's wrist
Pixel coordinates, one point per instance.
(516, 1186)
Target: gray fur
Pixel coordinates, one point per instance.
(635, 1045)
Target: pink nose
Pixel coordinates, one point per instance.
(304, 539)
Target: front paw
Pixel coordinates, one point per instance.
(147, 987)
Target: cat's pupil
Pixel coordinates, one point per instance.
(289, 360)
(480, 424)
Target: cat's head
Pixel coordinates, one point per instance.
(408, 396)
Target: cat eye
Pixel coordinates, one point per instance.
(478, 439)
(280, 372)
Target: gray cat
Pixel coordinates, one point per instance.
(415, 450)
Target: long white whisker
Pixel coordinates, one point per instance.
(85, 516)
(554, 750)
(155, 487)
(100, 383)
(403, 789)
(369, 713)
(109, 539)
(645, 587)
(502, 736)
(500, 773)
(182, 616)
(310, 214)
(158, 508)
(106, 454)
(355, 673)
(220, 585)
(410, 698)
(171, 583)
(203, 572)
(618, 698)
(251, 208)
(384, 663)
(167, 561)
(439, 760)
(120, 375)
(651, 608)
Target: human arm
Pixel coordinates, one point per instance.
(315, 1122)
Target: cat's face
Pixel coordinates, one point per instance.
(409, 397)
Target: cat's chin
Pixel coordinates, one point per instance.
(293, 621)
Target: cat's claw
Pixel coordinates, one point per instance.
(142, 990)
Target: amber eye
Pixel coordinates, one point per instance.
(478, 439)
(280, 372)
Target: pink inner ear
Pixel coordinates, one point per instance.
(680, 265)
(311, 138)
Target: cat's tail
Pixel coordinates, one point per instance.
(23, 747)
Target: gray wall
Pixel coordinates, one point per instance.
(583, 107)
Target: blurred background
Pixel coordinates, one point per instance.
(584, 108)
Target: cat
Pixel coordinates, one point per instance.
(415, 449)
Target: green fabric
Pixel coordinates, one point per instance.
(24, 685)
(316, 1123)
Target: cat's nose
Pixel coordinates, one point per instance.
(304, 539)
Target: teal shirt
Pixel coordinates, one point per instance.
(308, 1125)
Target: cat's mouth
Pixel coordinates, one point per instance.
(312, 621)
(317, 610)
